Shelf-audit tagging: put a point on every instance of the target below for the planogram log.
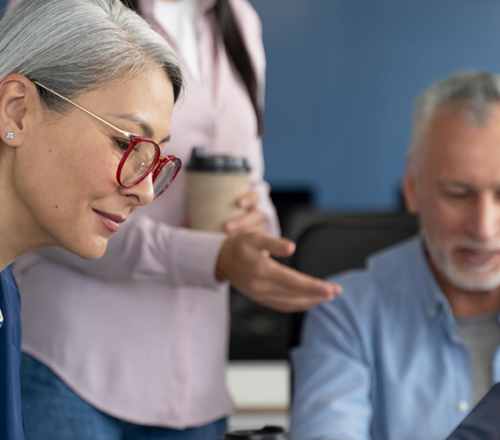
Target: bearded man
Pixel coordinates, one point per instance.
(412, 344)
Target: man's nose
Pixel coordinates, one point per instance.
(485, 225)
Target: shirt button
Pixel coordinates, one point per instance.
(462, 406)
(432, 313)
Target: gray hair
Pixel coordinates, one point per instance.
(471, 93)
(72, 46)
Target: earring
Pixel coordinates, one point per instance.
(10, 135)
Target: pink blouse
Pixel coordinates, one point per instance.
(142, 333)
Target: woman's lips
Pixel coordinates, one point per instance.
(477, 257)
(110, 221)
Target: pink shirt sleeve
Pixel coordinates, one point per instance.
(145, 250)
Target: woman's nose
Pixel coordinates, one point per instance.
(142, 193)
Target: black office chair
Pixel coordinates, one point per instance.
(331, 243)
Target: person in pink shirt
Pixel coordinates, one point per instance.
(134, 345)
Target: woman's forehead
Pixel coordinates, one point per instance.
(145, 101)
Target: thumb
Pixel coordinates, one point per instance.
(277, 247)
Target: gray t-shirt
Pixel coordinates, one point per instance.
(481, 336)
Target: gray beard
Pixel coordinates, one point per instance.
(459, 278)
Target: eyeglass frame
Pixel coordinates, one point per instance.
(156, 165)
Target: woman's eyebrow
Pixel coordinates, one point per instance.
(146, 129)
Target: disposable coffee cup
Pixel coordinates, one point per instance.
(215, 183)
(266, 433)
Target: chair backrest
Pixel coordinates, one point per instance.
(334, 243)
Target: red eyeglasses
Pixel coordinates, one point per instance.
(141, 156)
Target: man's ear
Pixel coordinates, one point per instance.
(409, 190)
(18, 95)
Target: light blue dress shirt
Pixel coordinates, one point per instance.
(382, 361)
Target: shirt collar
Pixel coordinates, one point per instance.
(148, 7)
(148, 13)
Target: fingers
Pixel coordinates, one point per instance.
(277, 247)
(286, 305)
(244, 261)
(297, 283)
(285, 289)
(274, 290)
(285, 300)
(253, 221)
(249, 201)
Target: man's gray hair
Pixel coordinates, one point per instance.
(72, 46)
(471, 93)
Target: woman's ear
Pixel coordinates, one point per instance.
(19, 102)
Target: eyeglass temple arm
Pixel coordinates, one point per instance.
(125, 133)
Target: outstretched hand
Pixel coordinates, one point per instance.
(245, 260)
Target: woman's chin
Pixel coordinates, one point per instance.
(90, 250)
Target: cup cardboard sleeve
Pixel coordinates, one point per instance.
(213, 197)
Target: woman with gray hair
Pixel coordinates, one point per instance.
(86, 96)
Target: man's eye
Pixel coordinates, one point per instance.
(122, 145)
(456, 196)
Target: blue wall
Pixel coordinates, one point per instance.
(341, 81)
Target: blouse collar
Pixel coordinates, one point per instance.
(147, 7)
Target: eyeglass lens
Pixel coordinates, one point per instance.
(164, 176)
(138, 163)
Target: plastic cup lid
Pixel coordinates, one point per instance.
(201, 160)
